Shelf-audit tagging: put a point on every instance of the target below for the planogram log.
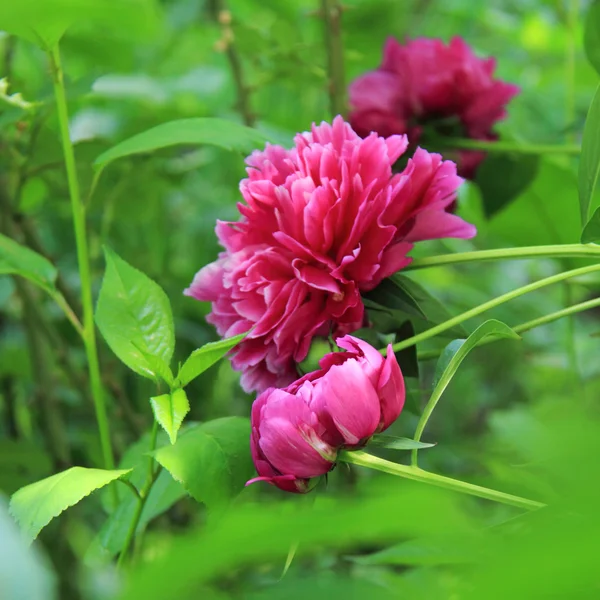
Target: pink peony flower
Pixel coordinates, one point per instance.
(425, 83)
(322, 223)
(297, 431)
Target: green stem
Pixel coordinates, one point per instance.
(332, 18)
(414, 473)
(527, 326)
(506, 147)
(554, 250)
(142, 497)
(79, 224)
(429, 333)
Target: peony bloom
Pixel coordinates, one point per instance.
(297, 431)
(321, 223)
(425, 84)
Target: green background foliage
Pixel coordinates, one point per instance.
(518, 415)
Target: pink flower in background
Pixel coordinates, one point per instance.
(322, 223)
(425, 83)
(297, 431)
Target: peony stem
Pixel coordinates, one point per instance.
(529, 325)
(373, 462)
(507, 147)
(555, 250)
(536, 285)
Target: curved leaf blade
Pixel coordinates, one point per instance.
(134, 316)
(397, 443)
(216, 132)
(451, 359)
(212, 461)
(589, 163)
(16, 259)
(203, 358)
(35, 505)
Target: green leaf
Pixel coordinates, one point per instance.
(212, 460)
(399, 297)
(397, 443)
(589, 163)
(20, 260)
(203, 358)
(503, 177)
(216, 132)
(35, 505)
(134, 317)
(591, 232)
(44, 22)
(457, 350)
(170, 410)
(591, 40)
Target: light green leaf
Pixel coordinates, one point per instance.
(35, 505)
(16, 259)
(134, 317)
(216, 132)
(44, 22)
(203, 358)
(397, 443)
(211, 460)
(591, 40)
(170, 410)
(589, 163)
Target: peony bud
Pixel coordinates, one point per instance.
(297, 431)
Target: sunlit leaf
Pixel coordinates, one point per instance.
(170, 410)
(35, 505)
(134, 316)
(215, 132)
(16, 259)
(203, 358)
(211, 460)
(589, 163)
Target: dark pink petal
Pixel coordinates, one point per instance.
(391, 390)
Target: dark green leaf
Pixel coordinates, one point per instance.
(20, 260)
(44, 22)
(216, 132)
(591, 232)
(397, 443)
(170, 410)
(407, 358)
(402, 297)
(589, 163)
(591, 40)
(203, 358)
(502, 177)
(134, 316)
(211, 460)
(35, 505)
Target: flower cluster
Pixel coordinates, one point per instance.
(297, 431)
(427, 84)
(321, 223)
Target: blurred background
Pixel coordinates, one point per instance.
(265, 64)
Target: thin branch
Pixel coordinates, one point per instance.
(222, 16)
(332, 18)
